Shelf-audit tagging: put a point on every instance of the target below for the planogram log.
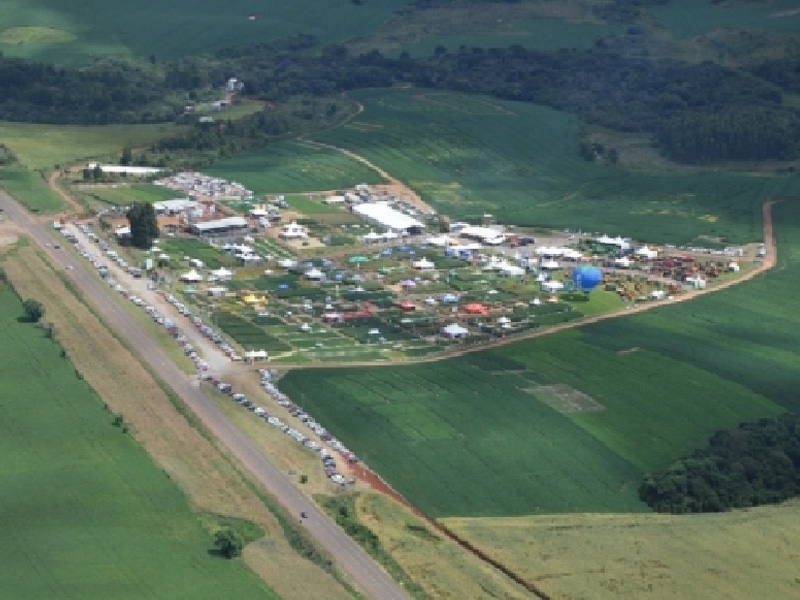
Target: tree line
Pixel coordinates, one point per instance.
(755, 464)
(696, 113)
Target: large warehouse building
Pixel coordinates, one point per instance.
(382, 215)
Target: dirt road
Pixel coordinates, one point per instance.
(370, 577)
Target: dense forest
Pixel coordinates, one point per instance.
(696, 113)
(754, 464)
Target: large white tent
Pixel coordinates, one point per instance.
(454, 330)
(552, 286)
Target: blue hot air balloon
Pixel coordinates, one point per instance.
(586, 277)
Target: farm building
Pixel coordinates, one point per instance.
(126, 170)
(178, 206)
(454, 331)
(383, 215)
(226, 226)
(486, 235)
(336, 199)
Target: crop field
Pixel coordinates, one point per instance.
(248, 335)
(123, 195)
(733, 556)
(29, 188)
(80, 30)
(86, 513)
(453, 450)
(540, 34)
(292, 167)
(469, 155)
(44, 146)
(688, 18)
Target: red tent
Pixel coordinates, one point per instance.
(408, 306)
(476, 309)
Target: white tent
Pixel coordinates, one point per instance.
(372, 237)
(314, 274)
(552, 286)
(192, 276)
(222, 274)
(504, 320)
(256, 354)
(287, 263)
(571, 254)
(454, 330)
(550, 265)
(512, 270)
(423, 264)
(623, 262)
(647, 253)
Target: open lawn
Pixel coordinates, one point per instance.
(80, 30)
(86, 512)
(126, 194)
(734, 556)
(44, 146)
(470, 155)
(289, 166)
(29, 188)
(689, 18)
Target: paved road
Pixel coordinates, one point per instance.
(370, 577)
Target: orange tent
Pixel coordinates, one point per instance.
(476, 309)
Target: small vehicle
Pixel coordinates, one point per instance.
(304, 515)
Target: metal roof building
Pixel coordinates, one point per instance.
(383, 215)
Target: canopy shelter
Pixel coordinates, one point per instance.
(454, 331)
(192, 276)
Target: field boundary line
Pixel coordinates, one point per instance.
(768, 262)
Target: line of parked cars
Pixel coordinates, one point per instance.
(206, 330)
(326, 456)
(102, 269)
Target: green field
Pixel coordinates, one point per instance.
(86, 513)
(44, 146)
(289, 166)
(80, 30)
(248, 335)
(665, 380)
(29, 189)
(541, 34)
(689, 18)
(126, 194)
(469, 155)
(213, 258)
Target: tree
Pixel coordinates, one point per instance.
(228, 543)
(144, 227)
(34, 310)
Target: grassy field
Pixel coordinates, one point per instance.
(87, 514)
(291, 166)
(213, 258)
(456, 439)
(649, 388)
(29, 188)
(733, 556)
(249, 336)
(689, 18)
(126, 194)
(44, 146)
(469, 155)
(80, 30)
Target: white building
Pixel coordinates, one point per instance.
(383, 215)
(228, 225)
(492, 236)
(454, 331)
(126, 170)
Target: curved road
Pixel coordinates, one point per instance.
(372, 579)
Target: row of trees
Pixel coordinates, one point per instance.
(754, 464)
(696, 112)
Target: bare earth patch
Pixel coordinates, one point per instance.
(565, 399)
